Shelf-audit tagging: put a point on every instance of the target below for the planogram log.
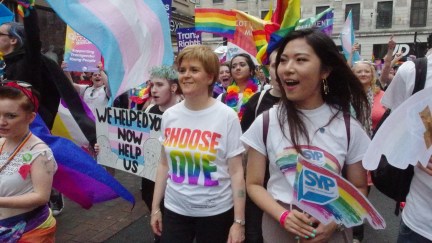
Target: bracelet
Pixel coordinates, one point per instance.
(283, 217)
(155, 212)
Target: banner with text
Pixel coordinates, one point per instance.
(187, 37)
(80, 54)
(129, 140)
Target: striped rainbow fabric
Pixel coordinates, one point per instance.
(133, 36)
(349, 207)
(216, 21)
(78, 176)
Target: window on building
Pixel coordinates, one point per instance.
(418, 13)
(217, 1)
(384, 15)
(320, 9)
(264, 13)
(355, 8)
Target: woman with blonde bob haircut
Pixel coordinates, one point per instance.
(204, 192)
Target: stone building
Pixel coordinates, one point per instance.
(410, 21)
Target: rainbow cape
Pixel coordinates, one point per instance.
(133, 36)
(216, 21)
(78, 176)
(328, 197)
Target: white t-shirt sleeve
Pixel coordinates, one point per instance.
(234, 144)
(253, 137)
(359, 142)
(82, 89)
(400, 87)
(220, 97)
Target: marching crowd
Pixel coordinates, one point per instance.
(232, 137)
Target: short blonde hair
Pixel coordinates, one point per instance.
(205, 56)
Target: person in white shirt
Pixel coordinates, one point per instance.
(417, 214)
(200, 174)
(318, 91)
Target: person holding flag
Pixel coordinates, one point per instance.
(318, 91)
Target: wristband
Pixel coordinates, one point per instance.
(283, 217)
(155, 212)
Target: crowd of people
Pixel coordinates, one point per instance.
(231, 139)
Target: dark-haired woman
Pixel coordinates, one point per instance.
(317, 89)
(244, 83)
(27, 167)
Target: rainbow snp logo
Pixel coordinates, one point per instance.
(315, 187)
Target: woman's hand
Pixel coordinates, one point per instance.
(96, 149)
(63, 65)
(156, 222)
(299, 224)
(236, 233)
(323, 232)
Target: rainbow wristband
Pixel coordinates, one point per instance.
(283, 217)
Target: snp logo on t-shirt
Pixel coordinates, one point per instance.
(314, 156)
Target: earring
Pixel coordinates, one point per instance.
(325, 86)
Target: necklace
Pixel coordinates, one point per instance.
(232, 97)
(16, 150)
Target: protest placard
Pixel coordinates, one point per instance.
(80, 54)
(129, 140)
(187, 37)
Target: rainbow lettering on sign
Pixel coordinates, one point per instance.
(188, 163)
(328, 197)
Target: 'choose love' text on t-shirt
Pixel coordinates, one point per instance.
(197, 146)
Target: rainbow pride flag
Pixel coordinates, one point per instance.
(291, 16)
(216, 21)
(328, 197)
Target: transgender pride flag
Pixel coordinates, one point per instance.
(348, 39)
(133, 36)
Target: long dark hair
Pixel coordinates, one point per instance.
(345, 90)
(249, 62)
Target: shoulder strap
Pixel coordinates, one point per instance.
(259, 101)
(266, 120)
(34, 145)
(223, 98)
(421, 69)
(149, 107)
(347, 120)
(346, 117)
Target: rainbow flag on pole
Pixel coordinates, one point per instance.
(216, 21)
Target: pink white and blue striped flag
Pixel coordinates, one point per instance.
(348, 39)
(133, 36)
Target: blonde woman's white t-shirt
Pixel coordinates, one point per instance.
(198, 145)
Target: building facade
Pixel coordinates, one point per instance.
(409, 21)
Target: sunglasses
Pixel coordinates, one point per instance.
(5, 34)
